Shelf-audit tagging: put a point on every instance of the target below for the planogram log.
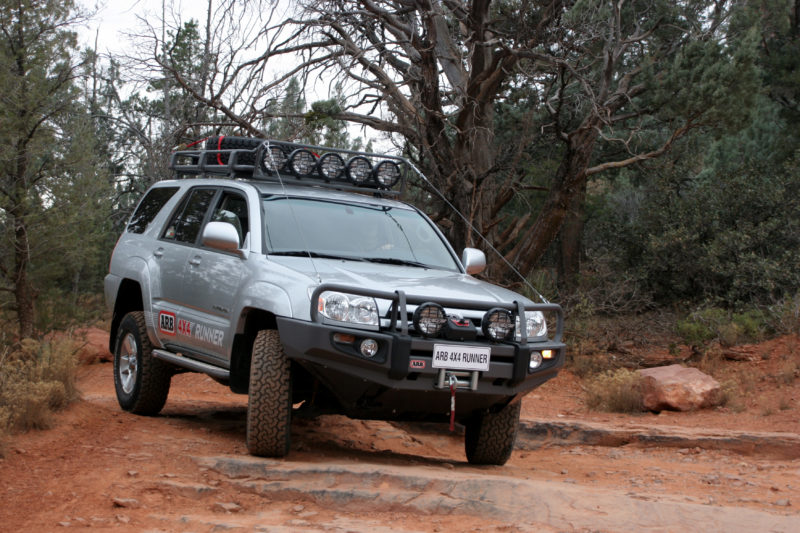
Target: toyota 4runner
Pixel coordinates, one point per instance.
(293, 274)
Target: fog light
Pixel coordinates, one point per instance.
(497, 324)
(547, 354)
(429, 319)
(369, 347)
(536, 361)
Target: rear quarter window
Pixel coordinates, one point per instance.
(149, 207)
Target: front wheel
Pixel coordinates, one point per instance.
(490, 437)
(141, 381)
(269, 406)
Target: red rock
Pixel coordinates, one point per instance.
(678, 388)
(95, 345)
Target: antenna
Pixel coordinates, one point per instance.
(478, 233)
(294, 215)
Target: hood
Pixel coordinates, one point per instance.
(430, 283)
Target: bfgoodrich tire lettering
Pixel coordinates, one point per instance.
(141, 381)
(490, 437)
(269, 408)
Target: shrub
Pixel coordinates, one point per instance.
(618, 391)
(36, 378)
(729, 328)
(785, 315)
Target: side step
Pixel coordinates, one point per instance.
(190, 364)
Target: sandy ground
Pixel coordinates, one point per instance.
(188, 469)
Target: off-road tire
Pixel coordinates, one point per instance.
(233, 143)
(269, 407)
(143, 385)
(490, 437)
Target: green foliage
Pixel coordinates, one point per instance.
(617, 391)
(729, 328)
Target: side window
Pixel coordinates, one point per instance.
(149, 207)
(232, 208)
(185, 224)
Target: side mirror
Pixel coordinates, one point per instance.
(474, 260)
(221, 236)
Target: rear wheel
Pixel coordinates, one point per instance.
(269, 408)
(141, 381)
(490, 437)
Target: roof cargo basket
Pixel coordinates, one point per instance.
(295, 163)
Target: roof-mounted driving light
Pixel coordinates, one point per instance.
(498, 324)
(387, 174)
(331, 166)
(429, 319)
(274, 159)
(359, 170)
(302, 163)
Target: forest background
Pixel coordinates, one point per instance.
(628, 158)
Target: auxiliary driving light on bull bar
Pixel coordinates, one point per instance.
(387, 174)
(498, 324)
(369, 347)
(331, 166)
(536, 360)
(359, 170)
(302, 163)
(547, 354)
(429, 319)
(274, 159)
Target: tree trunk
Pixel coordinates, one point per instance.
(24, 293)
(571, 241)
(570, 179)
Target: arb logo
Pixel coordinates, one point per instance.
(166, 322)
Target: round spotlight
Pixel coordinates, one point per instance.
(302, 163)
(369, 347)
(498, 324)
(331, 166)
(359, 170)
(274, 159)
(429, 319)
(387, 174)
(536, 361)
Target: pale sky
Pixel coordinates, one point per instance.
(116, 17)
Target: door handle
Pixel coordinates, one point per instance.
(159, 252)
(194, 261)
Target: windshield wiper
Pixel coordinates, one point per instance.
(395, 261)
(316, 255)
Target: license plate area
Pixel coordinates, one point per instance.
(460, 357)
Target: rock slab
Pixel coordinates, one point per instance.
(678, 388)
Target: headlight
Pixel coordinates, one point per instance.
(348, 308)
(536, 326)
(429, 319)
(497, 324)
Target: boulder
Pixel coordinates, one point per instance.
(678, 388)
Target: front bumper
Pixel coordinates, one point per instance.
(399, 382)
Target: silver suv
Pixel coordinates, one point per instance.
(293, 274)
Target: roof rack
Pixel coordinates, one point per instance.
(295, 163)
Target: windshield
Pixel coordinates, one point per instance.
(356, 232)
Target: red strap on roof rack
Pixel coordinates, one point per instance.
(219, 147)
